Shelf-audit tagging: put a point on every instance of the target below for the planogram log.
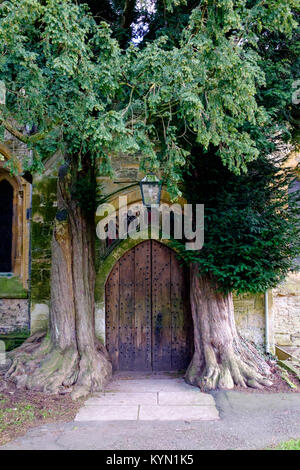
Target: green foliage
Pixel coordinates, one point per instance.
(214, 75)
(62, 74)
(22, 413)
(15, 339)
(293, 444)
(279, 60)
(66, 73)
(252, 223)
(200, 85)
(88, 193)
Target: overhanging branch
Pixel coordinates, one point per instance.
(26, 139)
(12, 130)
(128, 13)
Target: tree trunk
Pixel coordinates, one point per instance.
(222, 359)
(69, 357)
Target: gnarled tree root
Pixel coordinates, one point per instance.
(230, 370)
(37, 365)
(222, 358)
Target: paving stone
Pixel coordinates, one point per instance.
(107, 413)
(165, 399)
(178, 413)
(194, 397)
(149, 385)
(124, 398)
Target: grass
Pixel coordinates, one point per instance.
(22, 410)
(289, 445)
(17, 418)
(21, 413)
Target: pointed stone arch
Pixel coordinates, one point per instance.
(110, 257)
(164, 294)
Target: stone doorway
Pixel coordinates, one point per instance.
(148, 320)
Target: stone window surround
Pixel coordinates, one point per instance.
(20, 224)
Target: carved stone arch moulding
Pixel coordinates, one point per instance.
(131, 199)
(106, 266)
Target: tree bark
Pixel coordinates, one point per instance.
(69, 357)
(222, 359)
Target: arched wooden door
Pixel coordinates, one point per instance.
(148, 320)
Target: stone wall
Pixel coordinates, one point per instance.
(14, 306)
(43, 214)
(284, 302)
(250, 317)
(286, 308)
(14, 316)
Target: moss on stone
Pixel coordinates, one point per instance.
(41, 236)
(15, 339)
(40, 281)
(12, 288)
(46, 186)
(43, 213)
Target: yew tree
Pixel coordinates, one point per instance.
(158, 79)
(252, 240)
(62, 74)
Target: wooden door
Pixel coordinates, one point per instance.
(148, 320)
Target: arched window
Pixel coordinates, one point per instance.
(15, 204)
(6, 222)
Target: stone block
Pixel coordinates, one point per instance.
(14, 315)
(178, 413)
(283, 339)
(107, 413)
(39, 317)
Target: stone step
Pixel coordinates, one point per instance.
(178, 413)
(149, 400)
(150, 385)
(147, 413)
(124, 398)
(108, 413)
(185, 398)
